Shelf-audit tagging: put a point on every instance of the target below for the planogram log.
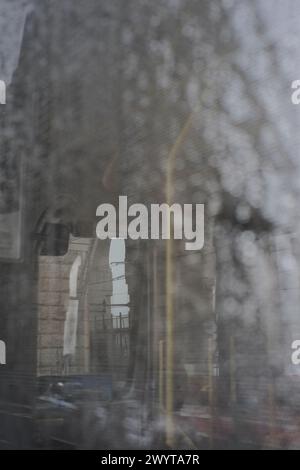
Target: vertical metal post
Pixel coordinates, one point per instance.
(211, 391)
(169, 294)
(161, 374)
(232, 371)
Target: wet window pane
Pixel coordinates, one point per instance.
(149, 224)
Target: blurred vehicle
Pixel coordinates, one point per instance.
(67, 408)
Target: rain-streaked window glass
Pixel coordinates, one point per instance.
(149, 224)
